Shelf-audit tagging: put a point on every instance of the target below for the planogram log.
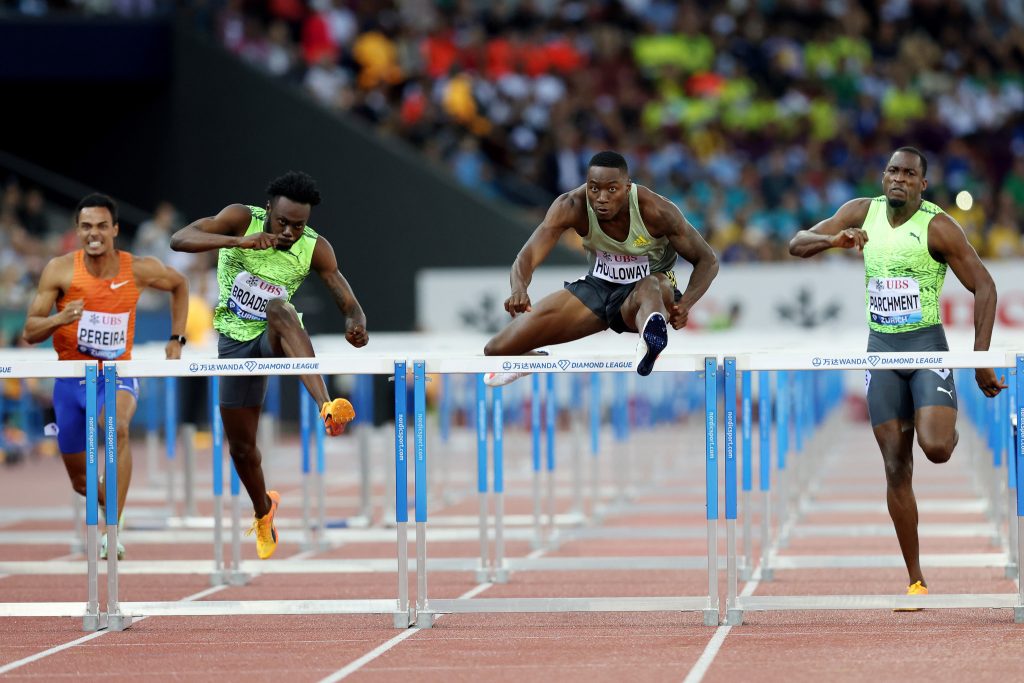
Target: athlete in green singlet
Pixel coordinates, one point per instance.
(632, 237)
(265, 254)
(907, 244)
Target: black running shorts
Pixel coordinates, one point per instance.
(897, 394)
(605, 299)
(243, 391)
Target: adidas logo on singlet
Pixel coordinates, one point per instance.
(641, 241)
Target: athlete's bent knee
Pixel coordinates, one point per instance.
(280, 313)
(936, 451)
(78, 484)
(494, 348)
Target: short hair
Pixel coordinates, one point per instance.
(609, 159)
(920, 155)
(296, 186)
(96, 199)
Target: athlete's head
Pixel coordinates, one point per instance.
(292, 197)
(607, 184)
(96, 223)
(904, 178)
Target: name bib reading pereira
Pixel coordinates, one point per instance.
(251, 294)
(103, 335)
(622, 269)
(894, 300)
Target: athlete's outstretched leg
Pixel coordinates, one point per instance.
(558, 318)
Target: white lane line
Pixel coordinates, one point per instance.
(376, 652)
(703, 663)
(96, 634)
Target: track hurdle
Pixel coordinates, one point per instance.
(119, 614)
(737, 605)
(427, 609)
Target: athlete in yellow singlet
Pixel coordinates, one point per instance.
(907, 244)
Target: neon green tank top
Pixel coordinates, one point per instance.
(636, 257)
(902, 280)
(250, 278)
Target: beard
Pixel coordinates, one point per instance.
(896, 203)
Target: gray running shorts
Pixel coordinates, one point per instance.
(897, 394)
(244, 391)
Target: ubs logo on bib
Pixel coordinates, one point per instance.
(250, 295)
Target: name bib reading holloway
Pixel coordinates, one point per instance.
(103, 335)
(250, 296)
(621, 268)
(894, 300)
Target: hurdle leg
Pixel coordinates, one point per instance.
(500, 570)
(188, 437)
(93, 619)
(403, 617)
(424, 619)
(483, 566)
(78, 541)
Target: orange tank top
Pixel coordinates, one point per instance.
(106, 329)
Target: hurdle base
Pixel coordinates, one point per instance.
(734, 617)
(219, 578)
(237, 578)
(500, 575)
(1018, 614)
(403, 619)
(767, 574)
(711, 616)
(482, 575)
(118, 621)
(1012, 572)
(94, 622)
(424, 619)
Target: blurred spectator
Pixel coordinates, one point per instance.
(153, 239)
(727, 108)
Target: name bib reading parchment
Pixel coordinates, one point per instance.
(894, 300)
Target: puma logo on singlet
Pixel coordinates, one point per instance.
(115, 285)
(914, 235)
(946, 391)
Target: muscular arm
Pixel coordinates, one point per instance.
(664, 219)
(325, 263)
(563, 214)
(843, 230)
(150, 272)
(226, 229)
(39, 324)
(947, 242)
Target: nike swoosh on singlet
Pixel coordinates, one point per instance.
(115, 285)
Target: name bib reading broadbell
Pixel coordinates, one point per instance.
(250, 295)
